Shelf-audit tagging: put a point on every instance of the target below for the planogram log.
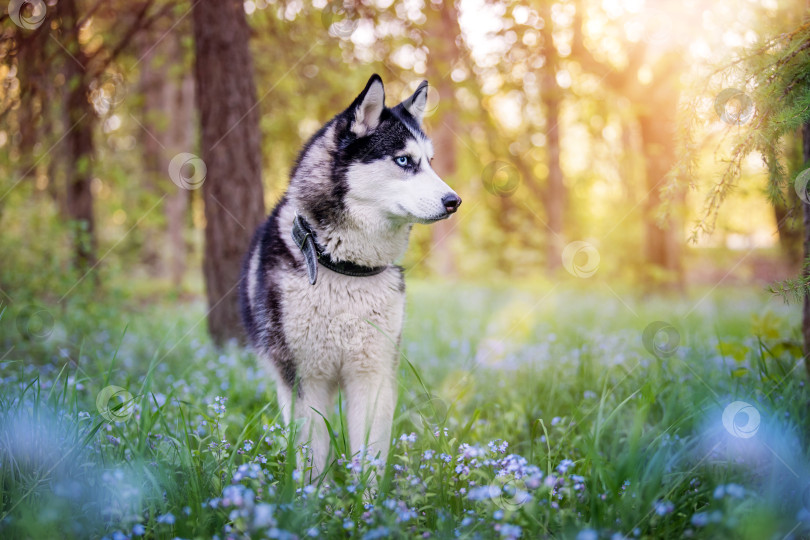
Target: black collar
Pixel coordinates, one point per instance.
(314, 253)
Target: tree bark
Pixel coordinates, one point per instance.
(181, 137)
(806, 269)
(79, 141)
(229, 120)
(655, 109)
(168, 118)
(556, 195)
(442, 31)
(657, 120)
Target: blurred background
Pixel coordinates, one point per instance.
(556, 121)
(596, 345)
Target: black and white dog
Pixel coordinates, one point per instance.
(322, 301)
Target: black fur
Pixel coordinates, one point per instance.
(268, 338)
(326, 205)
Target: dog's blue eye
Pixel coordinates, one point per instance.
(403, 161)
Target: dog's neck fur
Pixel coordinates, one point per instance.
(364, 242)
(356, 236)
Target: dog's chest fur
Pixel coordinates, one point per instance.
(337, 326)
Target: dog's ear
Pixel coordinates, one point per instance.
(368, 107)
(416, 104)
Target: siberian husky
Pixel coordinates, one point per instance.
(322, 300)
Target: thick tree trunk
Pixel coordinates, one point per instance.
(555, 196)
(443, 25)
(663, 243)
(78, 141)
(444, 139)
(230, 139)
(806, 270)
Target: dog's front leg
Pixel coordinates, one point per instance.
(371, 398)
(313, 403)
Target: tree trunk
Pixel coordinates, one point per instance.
(657, 120)
(181, 137)
(168, 116)
(806, 270)
(788, 211)
(230, 139)
(155, 111)
(79, 142)
(443, 29)
(555, 196)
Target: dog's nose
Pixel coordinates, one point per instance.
(451, 202)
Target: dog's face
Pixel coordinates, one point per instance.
(384, 157)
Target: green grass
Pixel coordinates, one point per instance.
(605, 438)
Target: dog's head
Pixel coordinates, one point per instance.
(382, 157)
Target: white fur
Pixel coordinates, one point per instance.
(328, 328)
(382, 191)
(367, 116)
(343, 331)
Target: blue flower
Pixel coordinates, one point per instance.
(663, 508)
(167, 518)
(587, 534)
(700, 519)
(510, 532)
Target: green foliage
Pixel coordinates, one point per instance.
(602, 435)
(774, 77)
